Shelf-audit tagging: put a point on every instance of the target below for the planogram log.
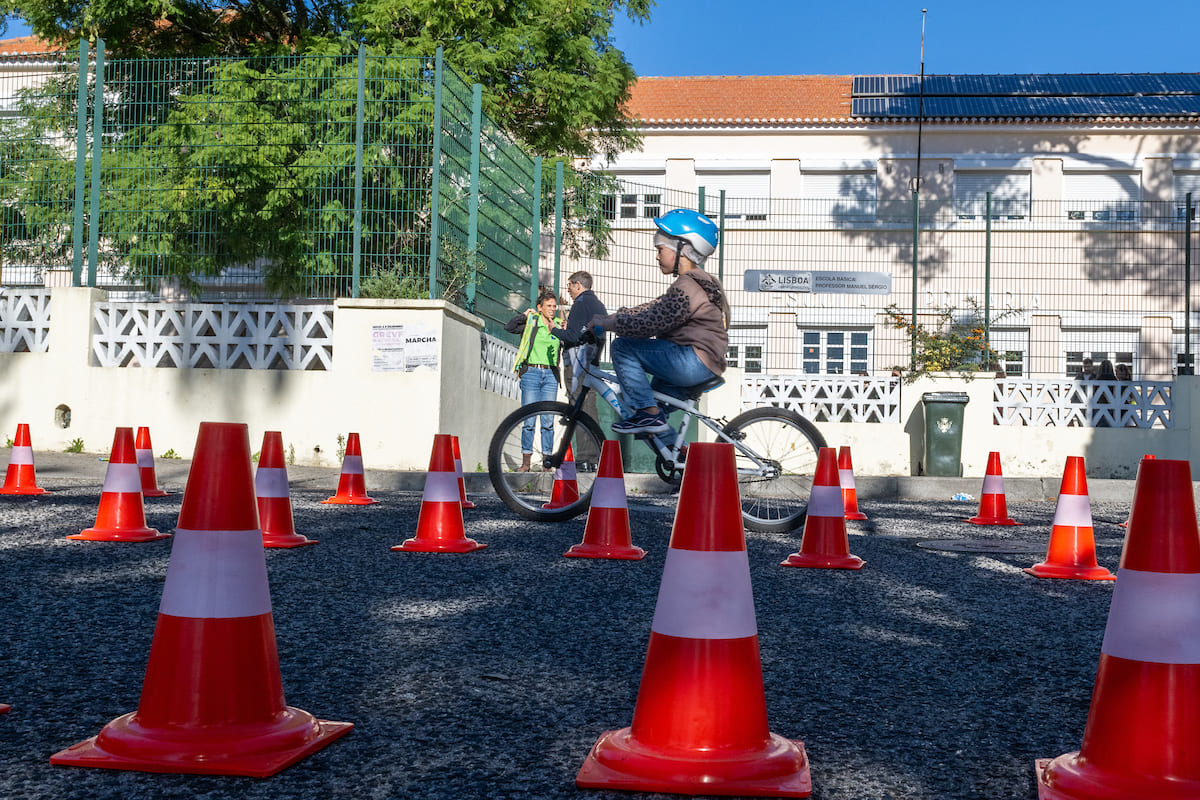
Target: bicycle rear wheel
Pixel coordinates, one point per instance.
(528, 493)
(776, 454)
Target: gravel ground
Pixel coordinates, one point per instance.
(927, 674)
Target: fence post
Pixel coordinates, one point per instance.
(987, 281)
(916, 234)
(721, 241)
(558, 220)
(535, 243)
(435, 200)
(97, 134)
(473, 202)
(700, 200)
(1187, 288)
(356, 258)
(80, 165)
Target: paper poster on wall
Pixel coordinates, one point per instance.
(403, 348)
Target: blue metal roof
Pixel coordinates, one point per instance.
(1165, 94)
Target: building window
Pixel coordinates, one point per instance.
(747, 195)
(1075, 359)
(1186, 182)
(1010, 194)
(746, 348)
(1102, 196)
(841, 196)
(835, 352)
(640, 198)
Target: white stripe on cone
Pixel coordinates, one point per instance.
(123, 478)
(216, 575)
(145, 458)
(1155, 617)
(609, 493)
(846, 478)
(826, 501)
(993, 484)
(352, 465)
(440, 487)
(1074, 510)
(458, 466)
(566, 472)
(705, 595)
(271, 482)
(21, 455)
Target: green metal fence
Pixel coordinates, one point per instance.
(316, 177)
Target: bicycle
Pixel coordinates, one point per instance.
(775, 451)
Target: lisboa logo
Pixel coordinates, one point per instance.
(944, 425)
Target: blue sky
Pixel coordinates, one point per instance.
(844, 37)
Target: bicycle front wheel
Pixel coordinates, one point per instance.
(534, 494)
(776, 454)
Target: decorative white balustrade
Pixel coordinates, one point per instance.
(496, 367)
(1073, 403)
(25, 322)
(826, 398)
(213, 336)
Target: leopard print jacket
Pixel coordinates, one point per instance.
(666, 313)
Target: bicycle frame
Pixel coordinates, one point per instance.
(589, 376)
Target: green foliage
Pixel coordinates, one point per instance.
(8, 442)
(76, 446)
(550, 70)
(341, 448)
(291, 456)
(954, 343)
(170, 454)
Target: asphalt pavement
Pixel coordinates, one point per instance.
(939, 670)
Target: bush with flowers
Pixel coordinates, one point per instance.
(953, 343)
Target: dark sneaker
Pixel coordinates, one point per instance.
(641, 422)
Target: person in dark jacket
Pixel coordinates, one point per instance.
(584, 305)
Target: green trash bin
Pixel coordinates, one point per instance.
(943, 433)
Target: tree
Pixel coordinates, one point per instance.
(550, 72)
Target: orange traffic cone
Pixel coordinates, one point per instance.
(606, 534)
(274, 498)
(846, 481)
(565, 490)
(440, 524)
(21, 478)
(993, 509)
(5, 708)
(212, 700)
(462, 483)
(352, 488)
(122, 516)
(700, 724)
(145, 462)
(1142, 738)
(825, 544)
(1072, 550)
(1150, 457)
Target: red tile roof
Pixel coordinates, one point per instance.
(23, 45)
(742, 98)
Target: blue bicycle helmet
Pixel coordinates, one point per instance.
(692, 227)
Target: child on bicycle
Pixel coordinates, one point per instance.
(681, 337)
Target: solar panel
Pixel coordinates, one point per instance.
(1165, 94)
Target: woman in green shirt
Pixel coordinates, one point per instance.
(537, 364)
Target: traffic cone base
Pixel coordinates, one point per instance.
(256, 751)
(588, 550)
(777, 769)
(993, 520)
(1070, 573)
(123, 535)
(415, 545)
(5, 708)
(21, 477)
(349, 501)
(822, 561)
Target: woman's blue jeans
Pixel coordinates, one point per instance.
(675, 368)
(538, 384)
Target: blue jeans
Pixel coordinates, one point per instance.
(538, 384)
(675, 368)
